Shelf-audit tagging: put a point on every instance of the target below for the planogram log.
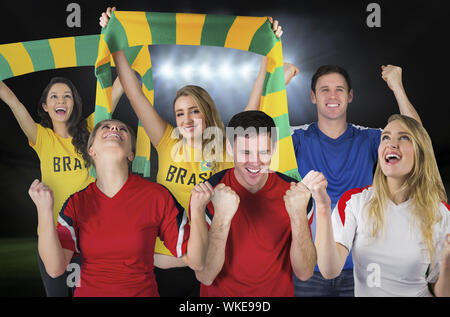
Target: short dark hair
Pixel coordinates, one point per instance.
(246, 122)
(330, 69)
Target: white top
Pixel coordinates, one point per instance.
(395, 263)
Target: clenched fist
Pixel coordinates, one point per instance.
(200, 196)
(225, 202)
(42, 197)
(290, 71)
(392, 75)
(296, 199)
(317, 184)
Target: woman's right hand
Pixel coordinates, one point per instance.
(317, 184)
(104, 18)
(42, 197)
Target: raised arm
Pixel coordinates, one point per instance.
(392, 75)
(225, 202)
(152, 122)
(255, 95)
(254, 102)
(116, 94)
(23, 117)
(331, 256)
(54, 257)
(302, 252)
(198, 238)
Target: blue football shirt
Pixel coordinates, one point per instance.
(347, 162)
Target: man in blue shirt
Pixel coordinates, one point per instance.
(345, 153)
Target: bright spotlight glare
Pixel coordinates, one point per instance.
(205, 71)
(246, 70)
(225, 70)
(187, 71)
(167, 71)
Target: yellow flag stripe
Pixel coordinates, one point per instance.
(275, 104)
(275, 57)
(103, 97)
(241, 32)
(64, 52)
(142, 143)
(104, 52)
(279, 161)
(136, 27)
(18, 59)
(189, 28)
(142, 63)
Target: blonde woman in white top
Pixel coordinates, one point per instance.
(398, 228)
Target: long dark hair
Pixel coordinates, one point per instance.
(76, 124)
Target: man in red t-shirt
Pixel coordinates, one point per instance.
(259, 232)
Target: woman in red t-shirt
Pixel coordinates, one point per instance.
(114, 222)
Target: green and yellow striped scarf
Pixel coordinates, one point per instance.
(27, 57)
(132, 31)
(253, 34)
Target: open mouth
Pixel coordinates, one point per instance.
(392, 158)
(189, 129)
(113, 135)
(60, 110)
(332, 105)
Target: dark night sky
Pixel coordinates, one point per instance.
(412, 35)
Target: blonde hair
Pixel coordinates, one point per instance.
(207, 107)
(423, 186)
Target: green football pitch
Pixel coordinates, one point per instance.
(19, 272)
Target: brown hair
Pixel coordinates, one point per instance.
(87, 158)
(207, 107)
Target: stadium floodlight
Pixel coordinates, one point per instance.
(205, 71)
(168, 71)
(246, 70)
(226, 70)
(187, 71)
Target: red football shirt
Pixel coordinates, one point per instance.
(116, 236)
(257, 253)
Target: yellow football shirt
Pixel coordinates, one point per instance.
(62, 168)
(181, 167)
